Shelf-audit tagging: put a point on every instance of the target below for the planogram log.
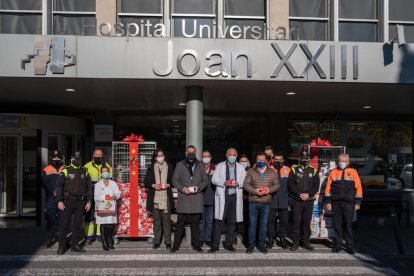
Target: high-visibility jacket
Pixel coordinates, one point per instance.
(94, 170)
(343, 185)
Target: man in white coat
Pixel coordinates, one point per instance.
(228, 178)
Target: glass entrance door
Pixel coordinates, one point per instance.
(18, 175)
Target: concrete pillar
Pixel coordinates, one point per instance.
(194, 117)
(278, 16)
(106, 12)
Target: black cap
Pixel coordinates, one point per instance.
(77, 155)
(56, 154)
(304, 155)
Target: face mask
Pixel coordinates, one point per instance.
(190, 158)
(304, 162)
(231, 159)
(278, 164)
(56, 162)
(76, 162)
(97, 160)
(269, 157)
(342, 165)
(160, 159)
(261, 164)
(105, 175)
(206, 160)
(245, 164)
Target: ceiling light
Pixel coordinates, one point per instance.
(175, 120)
(182, 104)
(70, 90)
(176, 125)
(291, 93)
(367, 107)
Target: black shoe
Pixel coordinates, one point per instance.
(283, 243)
(50, 242)
(213, 249)
(198, 249)
(294, 247)
(168, 247)
(249, 250)
(155, 246)
(349, 250)
(230, 248)
(174, 249)
(208, 243)
(61, 250)
(88, 242)
(309, 247)
(269, 244)
(336, 249)
(77, 249)
(263, 250)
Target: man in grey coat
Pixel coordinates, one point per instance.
(190, 179)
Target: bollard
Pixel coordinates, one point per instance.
(397, 233)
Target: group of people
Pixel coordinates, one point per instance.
(210, 198)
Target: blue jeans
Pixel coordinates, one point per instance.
(206, 223)
(258, 213)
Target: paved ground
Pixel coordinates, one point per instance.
(21, 253)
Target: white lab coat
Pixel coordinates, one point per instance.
(219, 177)
(100, 192)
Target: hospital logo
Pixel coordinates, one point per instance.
(49, 51)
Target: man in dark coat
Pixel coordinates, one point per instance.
(190, 179)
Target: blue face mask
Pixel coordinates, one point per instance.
(231, 159)
(105, 175)
(342, 165)
(261, 164)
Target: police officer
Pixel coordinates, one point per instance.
(279, 207)
(94, 171)
(302, 191)
(343, 195)
(73, 189)
(50, 176)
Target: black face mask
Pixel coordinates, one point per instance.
(190, 158)
(76, 162)
(97, 160)
(56, 163)
(268, 158)
(278, 165)
(304, 162)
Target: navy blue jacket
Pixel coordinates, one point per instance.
(50, 176)
(280, 199)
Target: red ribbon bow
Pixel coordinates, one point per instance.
(321, 142)
(133, 138)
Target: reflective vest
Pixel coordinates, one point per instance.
(304, 177)
(94, 170)
(75, 180)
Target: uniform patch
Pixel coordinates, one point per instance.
(71, 176)
(82, 176)
(310, 175)
(348, 174)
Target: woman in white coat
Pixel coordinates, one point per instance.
(106, 193)
(228, 178)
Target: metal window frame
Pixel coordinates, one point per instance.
(131, 14)
(119, 13)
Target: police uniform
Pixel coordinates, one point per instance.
(94, 172)
(306, 181)
(50, 176)
(343, 190)
(74, 188)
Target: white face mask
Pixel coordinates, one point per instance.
(206, 160)
(160, 159)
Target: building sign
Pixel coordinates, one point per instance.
(51, 51)
(104, 133)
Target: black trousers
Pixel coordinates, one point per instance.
(193, 219)
(73, 208)
(51, 213)
(302, 216)
(342, 217)
(274, 215)
(229, 217)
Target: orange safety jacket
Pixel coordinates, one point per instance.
(343, 186)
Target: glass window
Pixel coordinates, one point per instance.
(68, 24)
(75, 5)
(141, 22)
(358, 31)
(140, 6)
(380, 151)
(193, 27)
(245, 7)
(308, 30)
(21, 5)
(194, 6)
(308, 8)
(248, 28)
(20, 23)
(408, 32)
(357, 9)
(402, 10)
